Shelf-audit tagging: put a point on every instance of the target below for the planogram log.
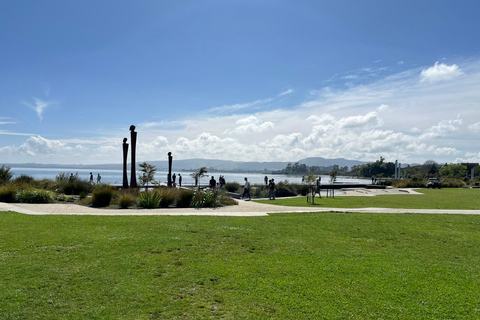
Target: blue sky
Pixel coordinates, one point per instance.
(240, 80)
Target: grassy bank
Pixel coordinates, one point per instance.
(462, 199)
(284, 266)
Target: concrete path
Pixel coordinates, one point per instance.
(244, 208)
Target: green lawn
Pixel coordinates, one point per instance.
(283, 266)
(467, 199)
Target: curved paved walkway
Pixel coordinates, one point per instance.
(244, 208)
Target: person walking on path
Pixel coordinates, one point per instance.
(246, 190)
(180, 180)
(271, 187)
(91, 178)
(99, 178)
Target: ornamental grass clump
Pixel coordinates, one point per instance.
(102, 196)
(8, 194)
(149, 200)
(126, 200)
(184, 199)
(168, 196)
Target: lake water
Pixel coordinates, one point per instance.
(115, 176)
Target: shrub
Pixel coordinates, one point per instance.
(168, 197)
(72, 184)
(259, 191)
(284, 189)
(205, 199)
(102, 196)
(35, 196)
(184, 199)
(65, 198)
(23, 179)
(226, 200)
(149, 200)
(233, 187)
(126, 200)
(8, 194)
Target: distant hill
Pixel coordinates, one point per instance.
(219, 165)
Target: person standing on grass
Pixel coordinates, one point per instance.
(246, 190)
(266, 179)
(180, 180)
(271, 187)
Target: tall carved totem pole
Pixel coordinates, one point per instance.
(125, 155)
(133, 139)
(169, 177)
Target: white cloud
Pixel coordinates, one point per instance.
(39, 145)
(289, 91)
(250, 124)
(370, 119)
(440, 71)
(239, 106)
(382, 107)
(475, 128)
(39, 107)
(442, 129)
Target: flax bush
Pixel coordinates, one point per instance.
(149, 200)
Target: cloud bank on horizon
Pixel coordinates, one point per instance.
(398, 109)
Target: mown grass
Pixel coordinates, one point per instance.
(284, 266)
(466, 199)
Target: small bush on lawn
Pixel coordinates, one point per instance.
(35, 196)
(168, 196)
(149, 200)
(102, 196)
(8, 194)
(233, 187)
(185, 199)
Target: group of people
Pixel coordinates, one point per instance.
(214, 185)
(271, 189)
(99, 178)
(174, 178)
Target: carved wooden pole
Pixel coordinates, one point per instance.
(125, 154)
(133, 175)
(169, 177)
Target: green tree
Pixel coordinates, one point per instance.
(199, 174)
(453, 171)
(333, 176)
(148, 173)
(5, 174)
